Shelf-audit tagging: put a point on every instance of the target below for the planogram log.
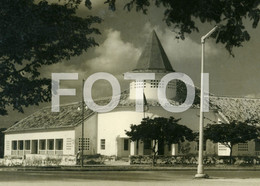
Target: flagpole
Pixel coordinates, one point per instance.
(144, 112)
(143, 101)
(82, 127)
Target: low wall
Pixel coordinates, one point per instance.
(192, 160)
(38, 160)
(96, 159)
(54, 160)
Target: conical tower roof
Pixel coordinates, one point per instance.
(153, 57)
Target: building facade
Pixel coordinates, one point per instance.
(49, 133)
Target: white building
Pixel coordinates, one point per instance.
(50, 133)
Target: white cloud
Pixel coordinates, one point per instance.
(114, 55)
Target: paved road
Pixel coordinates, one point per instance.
(125, 178)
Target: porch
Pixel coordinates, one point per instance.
(126, 148)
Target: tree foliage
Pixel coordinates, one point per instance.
(230, 134)
(34, 34)
(165, 130)
(37, 33)
(184, 16)
(2, 141)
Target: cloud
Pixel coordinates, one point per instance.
(113, 55)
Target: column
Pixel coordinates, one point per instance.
(156, 146)
(133, 150)
(174, 152)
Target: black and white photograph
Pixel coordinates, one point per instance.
(129, 92)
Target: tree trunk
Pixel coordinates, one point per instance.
(230, 155)
(154, 153)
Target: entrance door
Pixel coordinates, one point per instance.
(34, 146)
(123, 147)
(160, 147)
(147, 147)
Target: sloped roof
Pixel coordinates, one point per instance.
(70, 116)
(153, 56)
(240, 109)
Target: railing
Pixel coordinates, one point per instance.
(27, 152)
(50, 152)
(14, 152)
(42, 152)
(59, 152)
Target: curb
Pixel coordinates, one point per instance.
(126, 168)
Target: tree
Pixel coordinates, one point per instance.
(2, 141)
(33, 34)
(37, 33)
(161, 131)
(230, 134)
(184, 17)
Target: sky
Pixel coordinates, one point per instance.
(123, 38)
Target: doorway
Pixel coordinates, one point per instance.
(34, 146)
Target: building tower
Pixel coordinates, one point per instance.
(153, 60)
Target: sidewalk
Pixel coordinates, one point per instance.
(132, 168)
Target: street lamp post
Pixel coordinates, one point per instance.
(200, 170)
(82, 126)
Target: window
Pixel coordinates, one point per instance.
(257, 145)
(20, 145)
(169, 147)
(242, 146)
(59, 144)
(27, 144)
(86, 143)
(14, 145)
(50, 144)
(42, 145)
(68, 144)
(147, 144)
(102, 144)
(126, 144)
(179, 147)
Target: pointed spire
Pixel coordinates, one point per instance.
(153, 57)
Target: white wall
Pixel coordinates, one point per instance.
(90, 131)
(113, 125)
(150, 89)
(68, 137)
